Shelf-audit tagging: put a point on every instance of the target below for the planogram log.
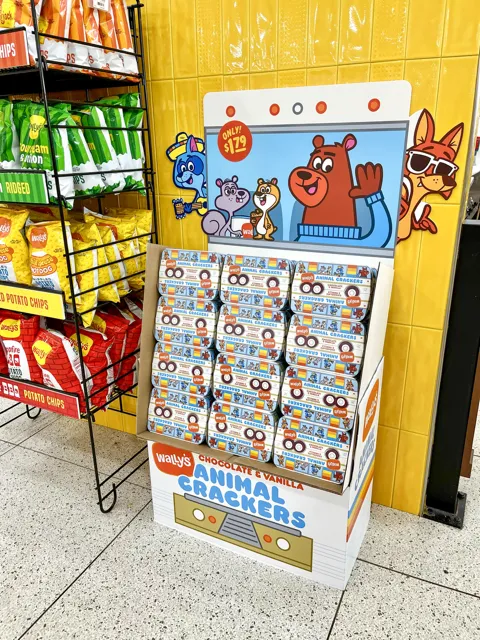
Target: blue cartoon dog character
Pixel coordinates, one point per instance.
(187, 154)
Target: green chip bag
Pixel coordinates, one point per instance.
(35, 152)
(118, 135)
(134, 119)
(100, 146)
(82, 161)
(9, 145)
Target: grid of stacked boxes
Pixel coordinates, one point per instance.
(251, 339)
(325, 348)
(185, 327)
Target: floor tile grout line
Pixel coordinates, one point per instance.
(83, 571)
(12, 447)
(409, 575)
(81, 466)
(335, 616)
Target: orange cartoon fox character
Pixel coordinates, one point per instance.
(429, 168)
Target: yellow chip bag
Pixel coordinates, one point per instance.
(87, 260)
(45, 214)
(14, 266)
(48, 263)
(88, 232)
(114, 231)
(143, 226)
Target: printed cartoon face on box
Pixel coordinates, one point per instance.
(306, 393)
(189, 273)
(256, 281)
(240, 437)
(186, 320)
(326, 343)
(178, 415)
(247, 381)
(176, 367)
(251, 331)
(264, 419)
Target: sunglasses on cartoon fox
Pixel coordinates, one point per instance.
(420, 162)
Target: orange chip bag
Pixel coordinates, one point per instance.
(91, 21)
(109, 39)
(124, 37)
(77, 53)
(18, 13)
(55, 20)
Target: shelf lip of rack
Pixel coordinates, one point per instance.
(40, 396)
(32, 300)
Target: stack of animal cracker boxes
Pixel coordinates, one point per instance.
(325, 347)
(250, 377)
(183, 361)
(250, 340)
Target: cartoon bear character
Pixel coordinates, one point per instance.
(326, 188)
(265, 198)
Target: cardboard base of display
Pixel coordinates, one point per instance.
(285, 519)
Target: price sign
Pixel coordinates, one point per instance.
(102, 5)
(235, 141)
(23, 186)
(35, 301)
(13, 48)
(37, 396)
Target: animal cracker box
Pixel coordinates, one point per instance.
(239, 412)
(177, 367)
(188, 321)
(343, 291)
(306, 453)
(248, 381)
(189, 273)
(308, 394)
(329, 344)
(251, 331)
(240, 437)
(178, 415)
(255, 281)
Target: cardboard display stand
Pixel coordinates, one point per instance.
(286, 519)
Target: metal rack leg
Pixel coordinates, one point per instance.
(31, 412)
(98, 484)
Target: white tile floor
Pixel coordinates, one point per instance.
(66, 571)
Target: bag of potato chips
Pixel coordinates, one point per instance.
(57, 357)
(77, 53)
(55, 20)
(48, 264)
(121, 232)
(35, 152)
(9, 145)
(118, 134)
(115, 328)
(14, 263)
(87, 181)
(91, 21)
(87, 282)
(17, 334)
(124, 36)
(143, 227)
(109, 38)
(96, 355)
(100, 146)
(89, 233)
(18, 13)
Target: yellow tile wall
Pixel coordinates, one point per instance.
(234, 45)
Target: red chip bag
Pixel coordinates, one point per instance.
(3, 362)
(17, 334)
(128, 371)
(115, 328)
(59, 361)
(96, 355)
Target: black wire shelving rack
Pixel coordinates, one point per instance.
(41, 78)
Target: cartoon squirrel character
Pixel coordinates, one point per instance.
(265, 198)
(232, 198)
(429, 168)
